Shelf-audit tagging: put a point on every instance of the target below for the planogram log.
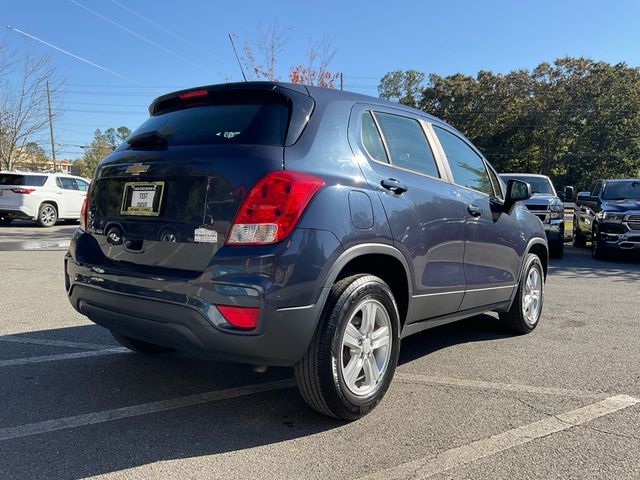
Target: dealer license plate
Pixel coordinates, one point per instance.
(142, 198)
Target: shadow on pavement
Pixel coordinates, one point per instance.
(51, 390)
(578, 263)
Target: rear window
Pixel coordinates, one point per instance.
(23, 180)
(249, 119)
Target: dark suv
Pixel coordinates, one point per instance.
(609, 216)
(278, 224)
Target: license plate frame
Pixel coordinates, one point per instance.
(138, 193)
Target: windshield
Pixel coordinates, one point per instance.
(538, 184)
(622, 190)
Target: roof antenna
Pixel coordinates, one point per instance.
(237, 58)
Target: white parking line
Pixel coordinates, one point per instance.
(507, 387)
(62, 356)
(52, 343)
(65, 423)
(456, 457)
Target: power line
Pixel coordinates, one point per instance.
(166, 30)
(77, 57)
(141, 37)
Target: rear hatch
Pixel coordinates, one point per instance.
(14, 187)
(168, 196)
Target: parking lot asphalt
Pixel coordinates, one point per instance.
(469, 400)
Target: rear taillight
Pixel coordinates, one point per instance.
(245, 318)
(23, 191)
(272, 208)
(84, 211)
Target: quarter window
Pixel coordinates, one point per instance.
(467, 167)
(371, 139)
(407, 144)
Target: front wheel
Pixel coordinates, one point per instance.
(524, 314)
(597, 250)
(354, 352)
(556, 248)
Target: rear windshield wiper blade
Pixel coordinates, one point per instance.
(148, 139)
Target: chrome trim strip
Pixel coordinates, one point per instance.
(303, 307)
(464, 291)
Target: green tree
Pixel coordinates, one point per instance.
(103, 144)
(404, 87)
(574, 120)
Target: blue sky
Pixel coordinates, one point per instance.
(370, 38)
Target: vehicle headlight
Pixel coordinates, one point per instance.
(616, 217)
(556, 212)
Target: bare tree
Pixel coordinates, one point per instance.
(23, 101)
(316, 70)
(260, 52)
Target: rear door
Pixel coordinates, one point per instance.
(491, 261)
(424, 213)
(70, 197)
(168, 197)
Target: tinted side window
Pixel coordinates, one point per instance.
(82, 186)
(467, 166)
(67, 183)
(597, 189)
(407, 144)
(371, 139)
(25, 180)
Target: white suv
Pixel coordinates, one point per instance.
(43, 197)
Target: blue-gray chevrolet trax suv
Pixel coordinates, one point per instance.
(278, 224)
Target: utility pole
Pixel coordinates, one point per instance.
(341, 84)
(53, 146)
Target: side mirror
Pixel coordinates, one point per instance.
(517, 191)
(568, 194)
(583, 196)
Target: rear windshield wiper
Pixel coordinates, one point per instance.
(152, 139)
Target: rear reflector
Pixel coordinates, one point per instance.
(240, 317)
(192, 94)
(272, 208)
(23, 191)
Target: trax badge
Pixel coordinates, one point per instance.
(137, 169)
(204, 235)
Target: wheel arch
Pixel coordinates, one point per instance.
(383, 261)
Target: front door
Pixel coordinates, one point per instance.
(491, 261)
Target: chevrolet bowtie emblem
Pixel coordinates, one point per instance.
(137, 169)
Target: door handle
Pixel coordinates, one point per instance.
(393, 185)
(474, 211)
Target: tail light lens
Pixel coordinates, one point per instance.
(84, 211)
(272, 208)
(245, 318)
(23, 191)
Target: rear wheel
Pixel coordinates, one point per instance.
(138, 345)
(47, 215)
(354, 351)
(578, 238)
(524, 314)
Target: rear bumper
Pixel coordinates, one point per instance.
(179, 311)
(22, 213)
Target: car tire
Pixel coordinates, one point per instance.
(598, 252)
(47, 215)
(353, 354)
(5, 221)
(524, 315)
(579, 239)
(139, 346)
(556, 249)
